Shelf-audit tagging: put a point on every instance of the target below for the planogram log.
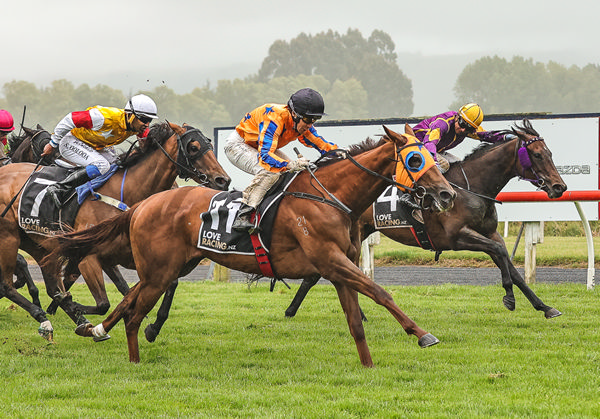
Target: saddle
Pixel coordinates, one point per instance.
(37, 213)
(216, 234)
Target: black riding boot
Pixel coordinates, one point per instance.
(58, 191)
(242, 221)
(407, 200)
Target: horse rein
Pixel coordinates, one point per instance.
(186, 167)
(335, 202)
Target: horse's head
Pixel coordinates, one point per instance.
(196, 158)
(28, 148)
(418, 172)
(534, 161)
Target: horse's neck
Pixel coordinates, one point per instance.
(156, 173)
(489, 173)
(353, 186)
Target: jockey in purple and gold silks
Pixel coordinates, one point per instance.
(445, 131)
(254, 146)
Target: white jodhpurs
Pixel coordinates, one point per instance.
(245, 158)
(79, 153)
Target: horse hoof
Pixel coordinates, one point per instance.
(428, 340)
(552, 313)
(46, 331)
(150, 333)
(101, 338)
(84, 329)
(509, 303)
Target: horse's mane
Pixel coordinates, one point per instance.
(158, 133)
(518, 130)
(14, 141)
(353, 150)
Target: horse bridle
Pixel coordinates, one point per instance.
(185, 162)
(335, 202)
(522, 153)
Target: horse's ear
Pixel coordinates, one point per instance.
(179, 130)
(28, 131)
(408, 130)
(40, 128)
(394, 136)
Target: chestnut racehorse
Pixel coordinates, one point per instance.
(310, 237)
(472, 222)
(168, 151)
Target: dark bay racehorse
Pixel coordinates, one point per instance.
(27, 148)
(169, 150)
(472, 223)
(310, 238)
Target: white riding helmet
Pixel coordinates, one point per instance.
(142, 106)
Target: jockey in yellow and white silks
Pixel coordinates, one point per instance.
(85, 139)
(254, 145)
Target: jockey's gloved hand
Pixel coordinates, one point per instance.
(298, 165)
(442, 163)
(48, 150)
(342, 153)
(510, 136)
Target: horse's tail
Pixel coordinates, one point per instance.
(73, 247)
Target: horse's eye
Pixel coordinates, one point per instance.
(415, 161)
(537, 155)
(194, 149)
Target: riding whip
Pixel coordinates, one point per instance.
(14, 198)
(22, 122)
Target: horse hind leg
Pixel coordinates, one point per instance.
(24, 278)
(305, 286)
(102, 329)
(153, 329)
(536, 302)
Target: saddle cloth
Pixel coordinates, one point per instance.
(389, 213)
(216, 233)
(37, 212)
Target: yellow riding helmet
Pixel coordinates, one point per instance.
(472, 114)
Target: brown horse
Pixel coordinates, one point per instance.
(311, 237)
(169, 150)
(472, 223)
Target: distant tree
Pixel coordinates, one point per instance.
(371, 61)
(523, 85)
(346, 100)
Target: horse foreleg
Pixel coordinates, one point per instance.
(517, 279)
(45, 330)
(153, 329)
(340, 270)
(24, 278)
(471, 240)
(91, 271)
(305, 286)
(70, 275)
(349, 301)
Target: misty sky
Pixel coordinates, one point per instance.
(133, 45)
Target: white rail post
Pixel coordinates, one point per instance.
(367, 254)
(591, 272)
(532, 237)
